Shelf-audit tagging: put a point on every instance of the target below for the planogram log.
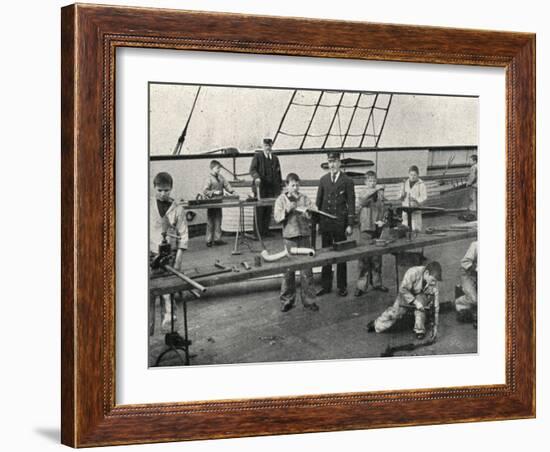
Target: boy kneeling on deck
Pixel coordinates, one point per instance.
(419, 291)
(167, 216)
(292, 210)
(371, 220)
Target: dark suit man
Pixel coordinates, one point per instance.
(335, 195)
(265, 170)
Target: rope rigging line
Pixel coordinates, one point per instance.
(181, 139)
(343, 135)
(320, 135)
(360, 107)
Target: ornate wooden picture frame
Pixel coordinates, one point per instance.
(90, 37)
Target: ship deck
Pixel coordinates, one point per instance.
(240, 321)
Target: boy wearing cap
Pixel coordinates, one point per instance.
(335, 195)
(371, 221)
(214, 187)
(292, 209)
(419, 290)
(167, 216)
(265, 170)
(413, 193)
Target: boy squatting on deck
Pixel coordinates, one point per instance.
(292, 210)
(167, 216)
(419, 290)
(214, 187)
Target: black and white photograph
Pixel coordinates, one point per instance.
(296, 224)
(257, 225)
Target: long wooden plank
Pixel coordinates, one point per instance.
(231, 204)
(323, 257)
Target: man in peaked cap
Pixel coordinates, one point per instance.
(265, 170)
(335, 195)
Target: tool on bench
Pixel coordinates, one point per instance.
(218, 264)
(432, 230)
(344, 245)
(246, 265)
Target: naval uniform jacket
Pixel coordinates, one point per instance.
(269, 173)
(338, 199)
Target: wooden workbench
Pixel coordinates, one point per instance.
(230, 203)
(173, 284)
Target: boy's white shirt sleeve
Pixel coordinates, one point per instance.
(470, 258)
(422, 193)
(402, 191)
(279, 210)
(179, 222)
(207, 190)
(309, 204)
(226, 185)
(405, 289)
(436, 297)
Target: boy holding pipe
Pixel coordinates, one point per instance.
(371, 220)
(214, 187)
(167, 216)
(292, 210)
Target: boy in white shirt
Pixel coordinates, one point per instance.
(167, 216)
(413, 193)
(292, 210)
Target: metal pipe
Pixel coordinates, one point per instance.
(273, 257)
(188, 280)
(302, 251)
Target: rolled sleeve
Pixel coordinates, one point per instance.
(227, 186)
(180, 224)
(406, 288)
(208, 189)
(422, 193)
(279, 210)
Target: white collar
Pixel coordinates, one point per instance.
(336, 176)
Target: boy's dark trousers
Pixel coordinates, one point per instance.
(263, 213)
(327, 239)
(213, 225)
